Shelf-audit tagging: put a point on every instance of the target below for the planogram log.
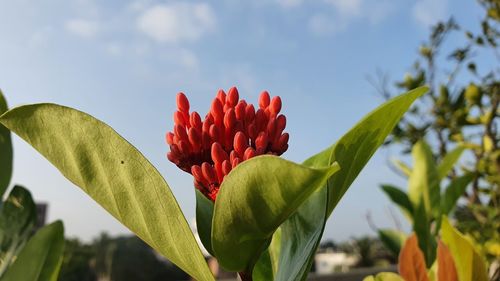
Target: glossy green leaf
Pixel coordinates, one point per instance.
(422, 228)
(204, 215)
(303, 230)
(17, 219)
(5, 151)
(449, 161)
(41, 258)
(424, 180)
(384, 276)
(392, 239)
(470, 265)
(255, 198)
(399, 198)
(115, 174)
(453, 192)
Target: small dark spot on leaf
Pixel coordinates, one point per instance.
(123, 162)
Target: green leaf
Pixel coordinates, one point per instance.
(115, 174)
(254, 200)
(303, 230)
(17, 219)
(405, 169)
(453, 192)
(392, 239)
(384, 276)
(5, 151)
(449, 161)
(400, 198)
(267, 265)
(41, 258)
(204, 215)
(422, 228)
(424, 180)
(470, 265)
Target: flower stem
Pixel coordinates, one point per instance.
(245, 276)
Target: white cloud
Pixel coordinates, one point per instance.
(82, 27)
(347, 8)
(114, 49)
(428, 12)
(321, 24)
(347, 12)
(41, 38)
(176, 22)
(289, 3)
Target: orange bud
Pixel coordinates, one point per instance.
(221, 96)
(249, 113)
(218, 154)
(182, 102)
(180, 133)
(170, 138)
(194, 139)
(240, 110)
(249, 153)
(195, 121)
(240, 143)
(217, 111)
(232, 97)
(226, 167)
(208, 173)
(275, 105)
(261, 142)
(179, 119)
(229, 118)
(264, 100)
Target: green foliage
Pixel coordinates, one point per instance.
(204, 215)
(5, 150)
(115, 174)
(352, 152)
(457, 259)
(261, 200)
(460, 113)
(77, 262)
(424, 204)
(41, 258)
(392, 239)
(400, 198)
(17, 219)
(384, 276)
(470, 265)
(254, 201)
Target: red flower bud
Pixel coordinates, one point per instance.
(249, 153)
(218, 154)
(232, 97)
(221, 96)
(182, 103)
(264, 100)
(208, 173)
(231, 132)
(195, 121)
(275, 105)
(240, 143)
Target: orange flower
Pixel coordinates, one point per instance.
(232, 132)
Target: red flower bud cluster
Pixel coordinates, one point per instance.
(232, 132)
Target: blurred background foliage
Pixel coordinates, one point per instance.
(461, 109)
(115, 258)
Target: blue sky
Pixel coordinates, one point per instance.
(124, 62)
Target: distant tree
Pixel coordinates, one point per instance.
(77, 262)
(461, 108)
